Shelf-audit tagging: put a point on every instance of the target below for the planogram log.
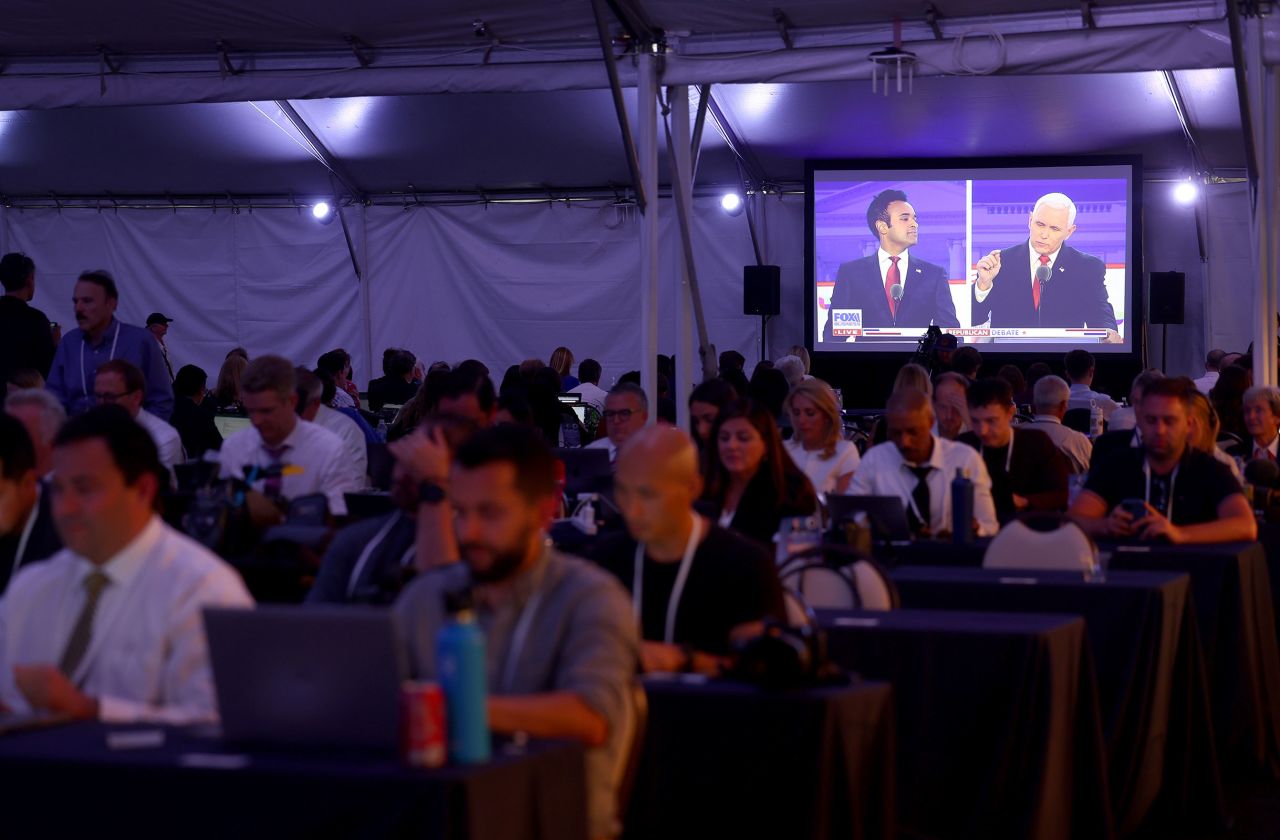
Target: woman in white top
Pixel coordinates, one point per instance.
(818, 446)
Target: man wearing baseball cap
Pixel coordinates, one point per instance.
(158, 325)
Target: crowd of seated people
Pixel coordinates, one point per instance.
(100, 615)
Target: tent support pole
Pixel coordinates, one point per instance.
(620, 108)
(326, 157)
(647, 119)
(1261, 135)
(699, 122)
(682, 189)
(686, 296)
(365, 305)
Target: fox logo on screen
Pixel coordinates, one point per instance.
(848, 322)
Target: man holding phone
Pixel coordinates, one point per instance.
(1164, 490)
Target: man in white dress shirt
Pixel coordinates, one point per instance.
(1080, 367)
(312, 408)
(122, 383)
(110, 627)
(280, 438)
(917, 466)
(1049, 399)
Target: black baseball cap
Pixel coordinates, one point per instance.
(158, 318)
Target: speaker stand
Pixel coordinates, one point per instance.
(764, 336)
(1164, 348)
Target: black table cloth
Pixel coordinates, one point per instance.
(997, 715)
(1231, 590)
(1151, 681)
(67, 782)
(735, 761)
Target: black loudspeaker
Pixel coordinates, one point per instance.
(1167, 297)
(761, 285)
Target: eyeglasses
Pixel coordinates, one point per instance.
(110, 397)
(623, 414)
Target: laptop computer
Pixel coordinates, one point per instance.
(887, 515)
(229, 424)
(586, 470)
(309, 676)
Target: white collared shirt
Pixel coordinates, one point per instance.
(352, 437)
(1264, 451)
(606, 444)
(168, 441)
(326, 466)
(980, 295)
(1076, 446)
(1082, 394)
(1205, 383)
(147, 659)
(885, 262)
(883, 472)
(824, 473)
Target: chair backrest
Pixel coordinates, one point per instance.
(1078, 419)
(629, 761)
(834, 577)
(1018, 546)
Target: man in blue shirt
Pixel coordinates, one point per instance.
(101, 338)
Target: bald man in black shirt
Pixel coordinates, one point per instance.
(694, 585)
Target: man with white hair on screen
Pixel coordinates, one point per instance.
(1043, 282)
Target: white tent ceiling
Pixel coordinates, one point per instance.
(196, 139)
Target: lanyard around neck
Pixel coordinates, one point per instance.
(84, 339)
(677, 590)
(1173, 477)
(521, 633)
(1008, 458)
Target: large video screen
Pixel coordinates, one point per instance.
(1026, 259)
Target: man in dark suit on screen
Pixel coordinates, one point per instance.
(1043, 282)
(891, 287)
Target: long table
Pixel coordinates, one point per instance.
(728, 760)
(1231, 592)
(67, 782)
(1151, 680)
(999, 730)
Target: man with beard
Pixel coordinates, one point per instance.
(560, 637)
(1186, 496)
(369, 562)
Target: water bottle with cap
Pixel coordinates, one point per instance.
(961, 509)
(1095, 419)
(461, 667)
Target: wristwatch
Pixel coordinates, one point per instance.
(430, 493)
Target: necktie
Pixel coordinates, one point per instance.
(273, 485)
(1035, 283)
(920, 495)
(892, 277)
(1259, 452)
(83, 630)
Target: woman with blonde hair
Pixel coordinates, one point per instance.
(1205, 427)
(226, 395)
(914, 376)
(818, 446)
(562, 363)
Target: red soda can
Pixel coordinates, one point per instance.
(422, 733)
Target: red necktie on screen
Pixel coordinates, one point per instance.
(1035, 283)
(892, 278)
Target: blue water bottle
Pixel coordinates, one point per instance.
(961, 509)
(460, 661)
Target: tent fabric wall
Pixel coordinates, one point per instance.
(504, 282)
(270, 280)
